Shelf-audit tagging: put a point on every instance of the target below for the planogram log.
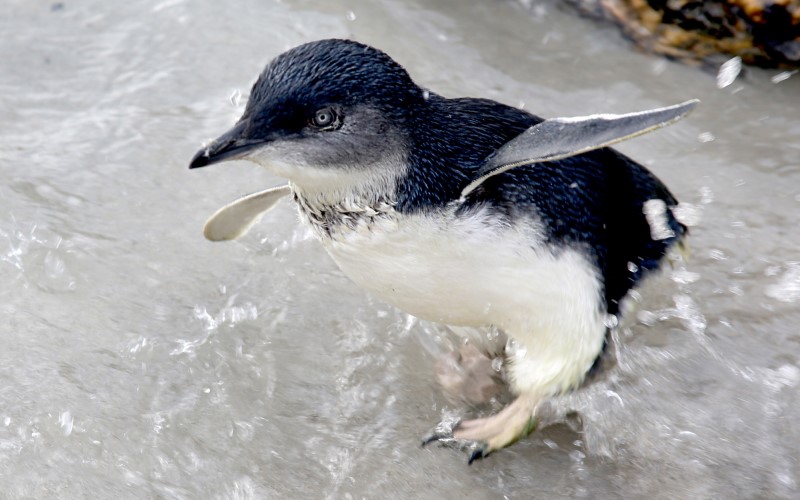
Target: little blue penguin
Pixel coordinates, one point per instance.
(462, 211)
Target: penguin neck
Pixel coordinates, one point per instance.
(337, 210)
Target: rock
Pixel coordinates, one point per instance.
(762, 32)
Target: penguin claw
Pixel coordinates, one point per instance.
(480, 437)
(429, 438)
(443, 434)
(478, 453)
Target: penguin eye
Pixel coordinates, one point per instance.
(326, 119)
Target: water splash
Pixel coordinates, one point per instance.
(706, 195)
(236, 98)
(784, 75)
(229, 315)
(39, 255)
(611, 321)
(785, 377)
(788, 287)
(683, 276)
(706, 137)
(686, 309)
(66, 421)
(728, 72)
(515, 350)
(688, 214)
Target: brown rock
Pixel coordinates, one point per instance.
(762, 32)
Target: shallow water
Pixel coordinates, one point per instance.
(140, 361)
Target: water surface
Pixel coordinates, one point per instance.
(140, 361)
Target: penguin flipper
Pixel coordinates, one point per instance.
(235, 219)
(559, 138)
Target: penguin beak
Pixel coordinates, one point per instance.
(232, 145)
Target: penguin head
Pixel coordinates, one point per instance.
(330, 115)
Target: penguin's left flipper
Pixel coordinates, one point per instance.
(235, 219)
(559, 138)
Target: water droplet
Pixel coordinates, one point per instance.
(785, 75)
(646, 317)
(728, 72)
(244, 430)
(684, 277)
(613, 395)
(577, 456)
(632, 267)
(688, 214)
(788, 288)
(717, 254)
(236, 98)
(515, 349)
(53, 265)
(351, 16)
(158, 422)
(426, 94)
(786, 478)
(706, 137)
(688, 311)
(659, 67)
(706, 195)
(66, 420)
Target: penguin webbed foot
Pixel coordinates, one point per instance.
(443, 434)
(482, 436)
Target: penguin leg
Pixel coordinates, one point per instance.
(467, 376)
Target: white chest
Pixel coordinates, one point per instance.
(465, 271)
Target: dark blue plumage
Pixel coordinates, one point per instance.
(594, 200)
(449, 141)
(300, 81)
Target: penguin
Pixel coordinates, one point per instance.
(462, 211)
